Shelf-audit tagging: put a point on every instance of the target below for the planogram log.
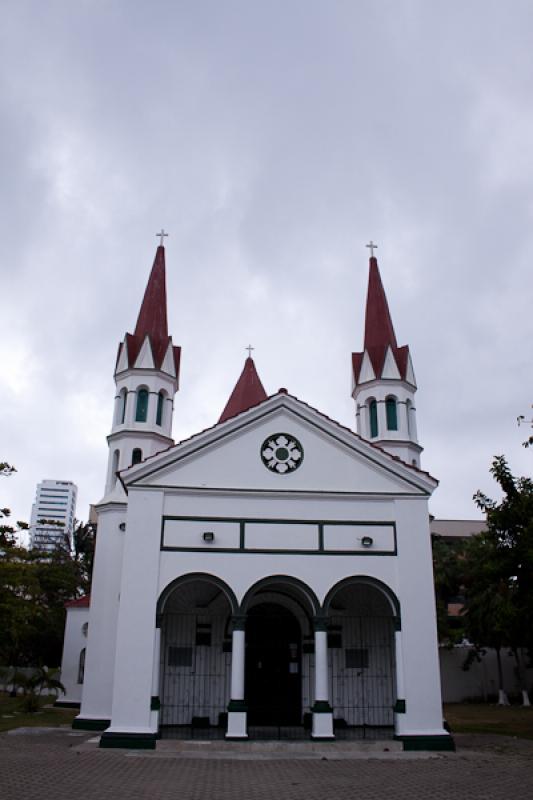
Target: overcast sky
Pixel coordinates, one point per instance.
(272, 140)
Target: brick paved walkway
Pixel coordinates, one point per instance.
(52, 766)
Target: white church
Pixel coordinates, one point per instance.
(271, 573)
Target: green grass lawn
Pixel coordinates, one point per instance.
(487, 718)
(12, 714)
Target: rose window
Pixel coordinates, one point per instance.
(282, 453)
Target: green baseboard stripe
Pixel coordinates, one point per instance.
(90, 724)
(321, 707)
(443, 743)
(130, 741)
(237, 705)
(66, 704)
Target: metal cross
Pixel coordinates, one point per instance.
(249, 348)
(372, 247)
(162, 234)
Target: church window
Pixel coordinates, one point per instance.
(160, 402)
(81, 666)
(392, 413)
(114, 468)
(408, 412)
(142, 405)
(136, 456)
(373, 414)
(122, 410)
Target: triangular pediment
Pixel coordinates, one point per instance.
(282, 445)
(390, 368)
(367, 370)
(168, 364)
(410, 373)
(122, 363)
(145, 359)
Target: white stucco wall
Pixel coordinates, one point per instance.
(74, 642)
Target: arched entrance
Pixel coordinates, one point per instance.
(195, 661)
(273, 666)
(279, 613)
(361, 649)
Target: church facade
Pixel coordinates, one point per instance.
(272, 571)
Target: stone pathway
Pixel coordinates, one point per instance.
(60, 764)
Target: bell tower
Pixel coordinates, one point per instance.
(146, 379)
(384, 382)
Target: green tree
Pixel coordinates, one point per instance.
(499, 570)
(34, 587)
(448, 573)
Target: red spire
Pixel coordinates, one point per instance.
(379, 330)
(248, 392)
(152, 318)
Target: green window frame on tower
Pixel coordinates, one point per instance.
(373, 417)
(391, 410)
(141, 412)
(159, 415)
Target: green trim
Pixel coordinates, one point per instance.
(314, 550)
(397, 623)
(80, 724)
(131, 741)
(438, 742)
(238, 622)
(237, 705)
(287, 552)
(323, 738)
(66, 704)
(321, 707)
(399, 706)
(155, 703)
(320, 623)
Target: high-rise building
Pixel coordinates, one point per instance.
(52, 515)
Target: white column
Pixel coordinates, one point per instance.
(237, 711)
(322, 712)
(237, 665)
(155, 703)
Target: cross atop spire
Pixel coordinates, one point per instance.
(249, 348)
(161, 235)
(372, 247)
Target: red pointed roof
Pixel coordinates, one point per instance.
(152, 319)
(379, 330)
(248, 392)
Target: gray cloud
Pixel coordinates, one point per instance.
(272, 141)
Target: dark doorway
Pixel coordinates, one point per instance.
(273, 666)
